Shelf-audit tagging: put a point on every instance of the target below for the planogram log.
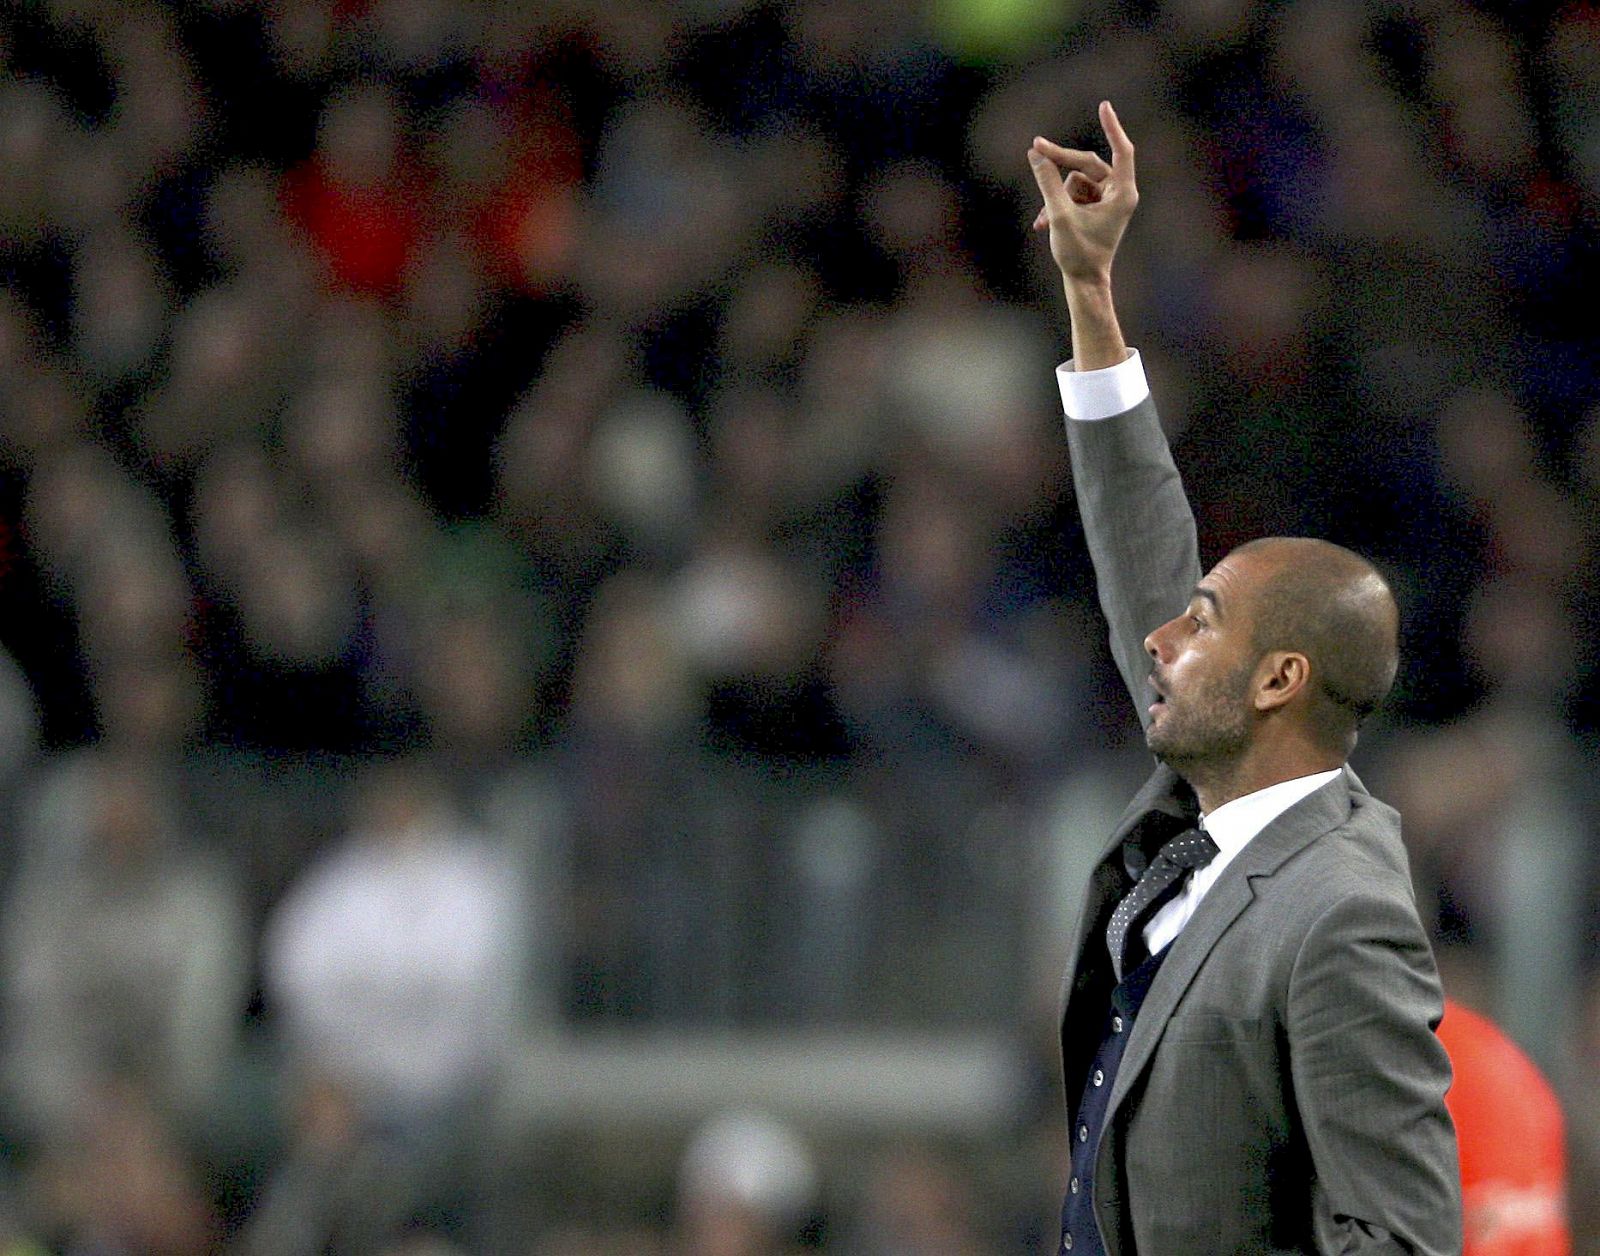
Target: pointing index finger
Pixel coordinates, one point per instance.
(1121, 145)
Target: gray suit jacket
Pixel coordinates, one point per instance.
(1282, 1089)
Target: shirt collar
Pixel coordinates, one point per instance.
(1235, 823)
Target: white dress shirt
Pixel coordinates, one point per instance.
(1231, 827)
(1088, 396)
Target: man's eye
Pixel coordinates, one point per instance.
(1197, 621)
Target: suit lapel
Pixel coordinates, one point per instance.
(1291, 832)
(1163, 793)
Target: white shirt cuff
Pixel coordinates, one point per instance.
(1090, 395)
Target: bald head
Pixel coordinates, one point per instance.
(1330, 604)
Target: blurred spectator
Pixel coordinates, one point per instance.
(544, 494)
(119, 308)
(397, 962)
(683, 226)
(124, 953)
(115, 1178)
(32, 125)
(398, 967)
(915, 1203)
(281, 625)
(653, 889)
(746, 1184)
(337, 1187)
(357, 198)
(835, 859)
(108, 544)
(1492, 807)
(225, 373)
(509, 170)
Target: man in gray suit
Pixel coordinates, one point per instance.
(1247, 1032)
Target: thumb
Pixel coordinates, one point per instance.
(1048, 177)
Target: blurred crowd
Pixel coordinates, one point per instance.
(521, 519)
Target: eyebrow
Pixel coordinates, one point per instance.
(1202, 591)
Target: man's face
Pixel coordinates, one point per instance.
(1202, 665)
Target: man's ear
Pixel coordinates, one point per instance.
(1281, 677)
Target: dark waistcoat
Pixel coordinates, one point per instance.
(1080, 1233)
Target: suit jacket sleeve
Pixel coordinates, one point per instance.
(1369, 1078)
(1139, 529)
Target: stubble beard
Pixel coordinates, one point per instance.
(1205, 732)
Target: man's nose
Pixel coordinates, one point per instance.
(1155, 641)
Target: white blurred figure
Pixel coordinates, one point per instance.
(745, 1185)
(396, 964)
(395, 961)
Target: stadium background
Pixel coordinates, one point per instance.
(552, 700)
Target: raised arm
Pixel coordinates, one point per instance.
(1137, 520)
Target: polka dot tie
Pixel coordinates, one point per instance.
(1160, 883)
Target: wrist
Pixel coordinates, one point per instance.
(1096, 338)
(1091, 289)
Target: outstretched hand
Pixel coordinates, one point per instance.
(1087, 210)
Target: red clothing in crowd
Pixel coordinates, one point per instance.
(365, 235)
(1513, 1142)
